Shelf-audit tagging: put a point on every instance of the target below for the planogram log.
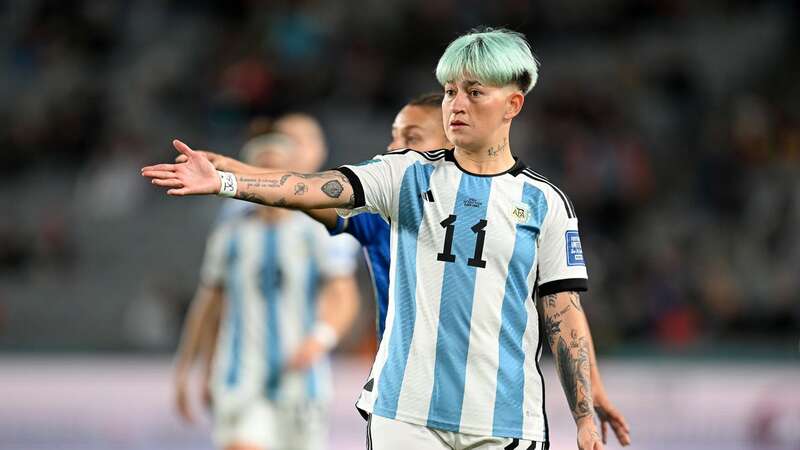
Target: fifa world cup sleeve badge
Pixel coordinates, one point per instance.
(574, 250)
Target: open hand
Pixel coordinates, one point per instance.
(220, 162)
(195, 176)
(609, 415)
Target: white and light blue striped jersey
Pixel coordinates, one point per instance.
(462, 341)
(271, 274)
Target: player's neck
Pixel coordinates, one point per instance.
(486, 160)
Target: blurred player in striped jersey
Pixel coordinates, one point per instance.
(270, 381)
(418, 126)
(476, 238)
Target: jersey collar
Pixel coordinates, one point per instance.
(516, 169)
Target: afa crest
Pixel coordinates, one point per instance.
(520, 213)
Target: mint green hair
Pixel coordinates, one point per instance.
(495, 57)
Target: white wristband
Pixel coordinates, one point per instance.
(227, 184)
(325, 335)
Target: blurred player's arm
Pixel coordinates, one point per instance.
(197, 176)
(565, 327)
(209, 348)
(327, 217)
(607, 414)
(197, 339)
(338, 306)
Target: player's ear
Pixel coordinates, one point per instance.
(514, 102)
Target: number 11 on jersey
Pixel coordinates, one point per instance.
(449, 224)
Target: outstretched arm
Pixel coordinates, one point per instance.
(198, 331)
(565, 328)
(197, 176)
(327, 217)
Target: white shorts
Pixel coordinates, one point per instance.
(390, 434)
(272, 425)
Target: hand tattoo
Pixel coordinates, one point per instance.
(300, 189)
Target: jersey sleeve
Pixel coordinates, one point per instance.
(212, 272)
(376, 182)
(561, 264)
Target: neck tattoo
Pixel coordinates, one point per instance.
(495, 150)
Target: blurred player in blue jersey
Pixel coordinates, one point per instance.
(288, 292)
(476, 238)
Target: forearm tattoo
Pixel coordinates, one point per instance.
(332, 189)
(298, 183)
(571, 353)
(572, 361)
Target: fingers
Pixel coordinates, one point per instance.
(182, 404)
(183, 148)
(620, 426)
(181, 158)
(604, 430)
(160, 167)
(168, 183)
(622, 436)
(163, 174)
(619, 418)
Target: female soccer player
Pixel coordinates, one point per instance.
(475, 234)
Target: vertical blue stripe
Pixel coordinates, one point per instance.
(508, 406)
(416, 180)
(378, 264)
(269, 285)
(234, 291)
(312, 292)
(455, 308)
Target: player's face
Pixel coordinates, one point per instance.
(420, 128)
(476, 116)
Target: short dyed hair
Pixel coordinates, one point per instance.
(431, 100)
(495, 57)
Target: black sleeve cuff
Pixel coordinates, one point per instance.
(358, 189)
(566, 285)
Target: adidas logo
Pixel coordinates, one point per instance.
(428, 196)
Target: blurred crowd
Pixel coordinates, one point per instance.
(673, 125)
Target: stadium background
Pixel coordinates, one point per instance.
(674, 125)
